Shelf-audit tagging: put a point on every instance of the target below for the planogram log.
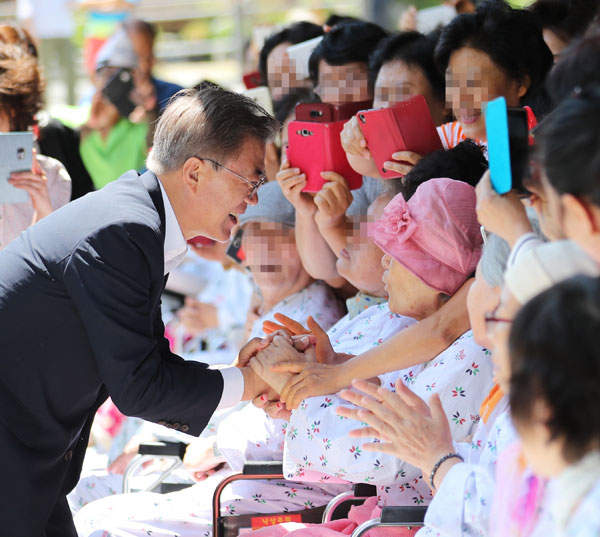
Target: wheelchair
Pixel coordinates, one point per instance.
(232, 525)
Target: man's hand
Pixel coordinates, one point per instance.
(332, 201)
(249, 350)
(254, 386)
(292, 181)
(503, 215)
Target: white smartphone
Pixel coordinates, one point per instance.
(300, 54)
(16, 155)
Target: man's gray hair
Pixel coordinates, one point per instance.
(207, 122)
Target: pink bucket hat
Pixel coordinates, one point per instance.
(435, 234)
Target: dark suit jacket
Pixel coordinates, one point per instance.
(80, 317)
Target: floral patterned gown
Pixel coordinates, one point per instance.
(317, 441)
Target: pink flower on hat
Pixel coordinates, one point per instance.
(396, 224)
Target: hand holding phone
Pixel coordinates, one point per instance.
(406, 127)
(118, 91)
(292, 181)
(16, 155)
(315, 148)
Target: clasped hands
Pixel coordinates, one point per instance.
(292, 361)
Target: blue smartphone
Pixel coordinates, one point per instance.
(508, 146)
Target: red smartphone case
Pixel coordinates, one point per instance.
(405, 126)
(326, 113)
(315, 148)
(252, 80)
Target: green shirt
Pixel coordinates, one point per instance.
(124, 149)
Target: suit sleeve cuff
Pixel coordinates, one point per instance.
(233, 387)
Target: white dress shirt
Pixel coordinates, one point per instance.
(175, 250)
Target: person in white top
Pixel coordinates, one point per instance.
(47, 183)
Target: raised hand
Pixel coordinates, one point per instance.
(404, 424)
(332, 201)
(292, 181)
(407, 160)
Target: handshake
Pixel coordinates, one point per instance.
(286, 366)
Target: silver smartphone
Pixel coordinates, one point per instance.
(16, 155)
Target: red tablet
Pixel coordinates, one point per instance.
(405, 126)
(315, 148)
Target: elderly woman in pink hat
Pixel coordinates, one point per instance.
(432, 244)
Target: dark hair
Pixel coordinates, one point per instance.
(346, 43)
(15, 35)
(578, 67)
(285, 106)
(293, 34)
(141, 27)
(511, 37)
(209, 122)
(414, 49)
(335, 19)
(566, 18)
(464, 162)
(21, 86)
(555, 357)
(569, 144)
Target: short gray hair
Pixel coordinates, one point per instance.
(209, 122)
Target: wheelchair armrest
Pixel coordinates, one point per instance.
(163, 449)
(364, 490)
(263, 468)
(405, 515)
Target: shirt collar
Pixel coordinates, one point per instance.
(175, 243)
(360, 302)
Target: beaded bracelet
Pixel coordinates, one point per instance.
(441, 461)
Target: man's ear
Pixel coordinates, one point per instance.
(192, 172)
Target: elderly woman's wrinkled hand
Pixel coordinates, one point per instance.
(401, 423)
(318, 337)
(281, 349)
(273, 408)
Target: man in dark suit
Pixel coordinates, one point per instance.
(80, 305)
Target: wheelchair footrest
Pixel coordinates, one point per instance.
(405, 515)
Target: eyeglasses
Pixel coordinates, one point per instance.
(254, 185)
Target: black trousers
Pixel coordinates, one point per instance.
(33, 482)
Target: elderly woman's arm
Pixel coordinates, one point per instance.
(413, 345)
